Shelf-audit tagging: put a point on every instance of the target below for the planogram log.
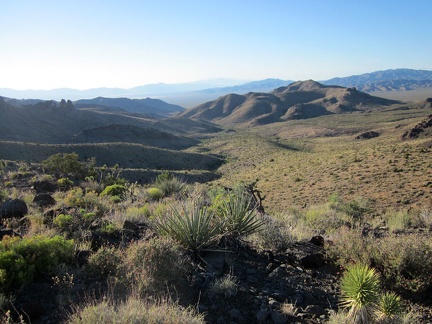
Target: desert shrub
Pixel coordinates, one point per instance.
(349, 245)
(104, 262)
(155, 194)
(223, 287)
(154, 266)
(356, 209)
(74, 197)
(402, 220)
(136, 214)
(63, 221)
(169, 184)
(405, 262)
(3, 196)
(134, 310)
(274, 236)
(192, 226)
(64, 183)
(90, 217)
(88, 200)
(68, 163)
(114, 190)
(24, 259)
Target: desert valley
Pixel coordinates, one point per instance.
(254, 205)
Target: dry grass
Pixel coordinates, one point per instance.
(296, 168)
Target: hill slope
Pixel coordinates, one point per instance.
(46, 122)
(146, 106)
(298, 100)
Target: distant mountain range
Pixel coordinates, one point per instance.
(299, 100)
(388, 80)
(194, 93)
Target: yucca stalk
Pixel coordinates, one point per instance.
(360, 289)
(192, 227)
(237, 216)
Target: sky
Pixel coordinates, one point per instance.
(84, 44)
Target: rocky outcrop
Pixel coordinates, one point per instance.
(423, 128)
(367, 135)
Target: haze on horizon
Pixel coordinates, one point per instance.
(96, 43)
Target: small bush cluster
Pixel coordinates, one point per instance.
(22, 260)
(134, 310)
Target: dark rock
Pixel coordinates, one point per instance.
(278, 318)
(418, 129)
(44, 186)
(262, 315)
(368, 135)
(44, 199)
(13, 208)
(32, 309)
(7, 232)
(235, 314)
(315, 310)
(82, 257)
(129, 226)
(312, 261)
(317, 240)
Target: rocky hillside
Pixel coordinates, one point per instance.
(388, 80)
(147, 106)
(62, 123)
(298, 100)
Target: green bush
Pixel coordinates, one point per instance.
(105, 262)
(64, 183)
(154, 266)
(63, 221)
(22, 260)
(68, 163)
(169, 184)
(114, 190)
(155, 194)
(405, 262)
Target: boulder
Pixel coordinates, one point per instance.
(13, 208)
(44, 199)
(44, 186)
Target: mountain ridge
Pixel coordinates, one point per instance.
(299, 100)
(193, 93)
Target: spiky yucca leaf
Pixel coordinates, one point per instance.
(360, 289)
(389, 308)
(237, 215)
(191, 226)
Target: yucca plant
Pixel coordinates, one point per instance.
(360, 288)
(238, 218)
(389, 308)
(192, 226)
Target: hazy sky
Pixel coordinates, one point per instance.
(120, 43)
